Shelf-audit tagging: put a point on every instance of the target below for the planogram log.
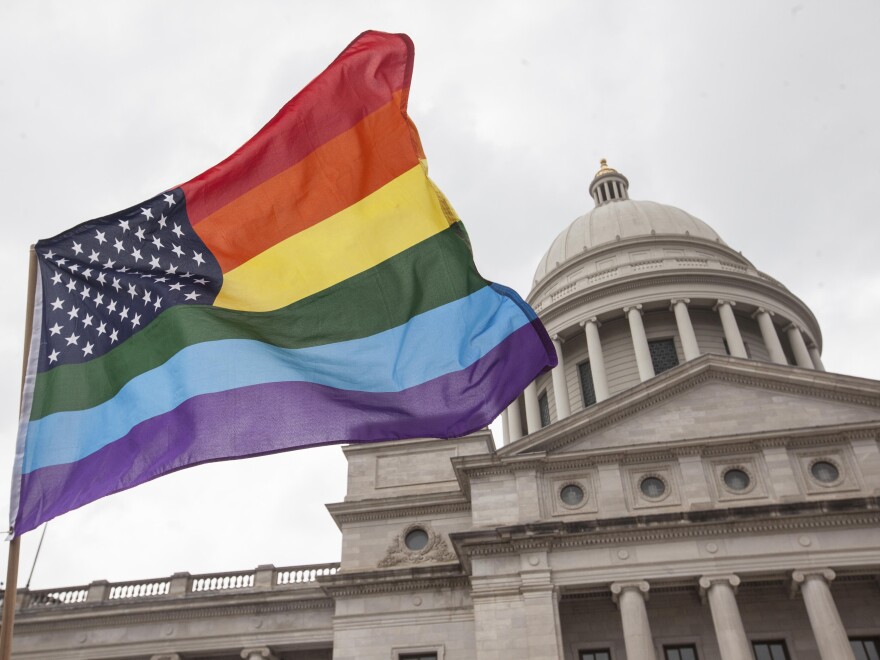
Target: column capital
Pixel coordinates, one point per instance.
(708, 581)
(258, 652)
(557, 339)
(641, 586)
(801, 575)
(628, 308)
(675, 301)
(721, 302)
(793, 326)
(166, 656)
(595, 321)
(762, 310)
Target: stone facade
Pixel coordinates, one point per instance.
(725, 509)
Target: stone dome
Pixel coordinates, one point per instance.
(620, 220)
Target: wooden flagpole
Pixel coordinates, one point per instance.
(11, 592)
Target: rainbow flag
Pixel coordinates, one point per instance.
(313, 288)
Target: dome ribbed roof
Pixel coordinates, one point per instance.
(624, 218)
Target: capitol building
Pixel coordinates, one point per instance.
(689, 483)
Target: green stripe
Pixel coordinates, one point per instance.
(432, 273)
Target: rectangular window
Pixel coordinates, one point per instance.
(865, 648)
(544, 405)
(775, 650)
(417, 656)
(663, 355)
(603, 654)
(680, 652)
(586, 377)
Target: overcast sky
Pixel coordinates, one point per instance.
(759, 118)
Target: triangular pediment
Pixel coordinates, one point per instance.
(712, 397)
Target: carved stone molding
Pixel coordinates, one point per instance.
(436, 550)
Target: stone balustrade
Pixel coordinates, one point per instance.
(179, 585)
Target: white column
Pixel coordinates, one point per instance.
(560, 387)
(798, 347)
(514, 419)
(768, 333)
(817, 357)
(630, 598)
(533, 410)
(258, 653)
(505, 427)
(597, 358)
(731, 329)
(685, 328)
(825, 621)
(640, 342)
(720, 590)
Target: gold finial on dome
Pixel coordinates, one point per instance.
(604, 169)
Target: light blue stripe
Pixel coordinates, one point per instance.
(441, 341)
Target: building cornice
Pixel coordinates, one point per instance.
(412, 579)
(408, 506)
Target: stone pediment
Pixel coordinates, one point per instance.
(712, 397)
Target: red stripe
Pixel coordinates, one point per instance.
(362, 79)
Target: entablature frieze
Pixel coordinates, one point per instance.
(412, 579)
(399, 507)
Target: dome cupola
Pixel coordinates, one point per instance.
(608, 185)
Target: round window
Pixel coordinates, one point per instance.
(825, 472)
(652, 487)
(737, 479)
(416, 539)
(572, 495)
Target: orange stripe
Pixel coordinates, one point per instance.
(334, 176)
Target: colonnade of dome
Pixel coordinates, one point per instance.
(634, 288)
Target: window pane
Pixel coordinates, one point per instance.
(689, 654)
(596, 655)
(544, 405)
(586, 377)
(663, 355)
(762, 651)
(673, 654)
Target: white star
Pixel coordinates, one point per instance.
(58, 303)
(55, 329)
(124, 269)
(177, 286)
(72, 339)
(124, 313)
(201, 281)
(171, 269)
(192, 295)
(118, 245)
(101, 278)
(99, 299)
(124, 225)
(170, 199)
(53, 356)
(74, 268)
(136, 321)
(157, 243)
(186, 274)
(112, 306)
(50, 255)
(132, 291)
(87, 321)
(136, 254)
(87, 349)
(114, 337)
(74, 311)
(71, 285)
(147, 213)
(94, 256)
(161, 279)
(140, 233)
(176, 250)
(56, 278)
(101, 236)
(87, 273)
(197, 257)
(157, 303)
(102, 328)
(154, 262)
(77, 248)
(116, 284)
(61, 262)
(85, 292)
(162, 219)
(147, 296)
(110, 263)
(176, 231)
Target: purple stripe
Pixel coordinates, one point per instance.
(273, 417)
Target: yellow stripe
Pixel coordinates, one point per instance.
(403, 212)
